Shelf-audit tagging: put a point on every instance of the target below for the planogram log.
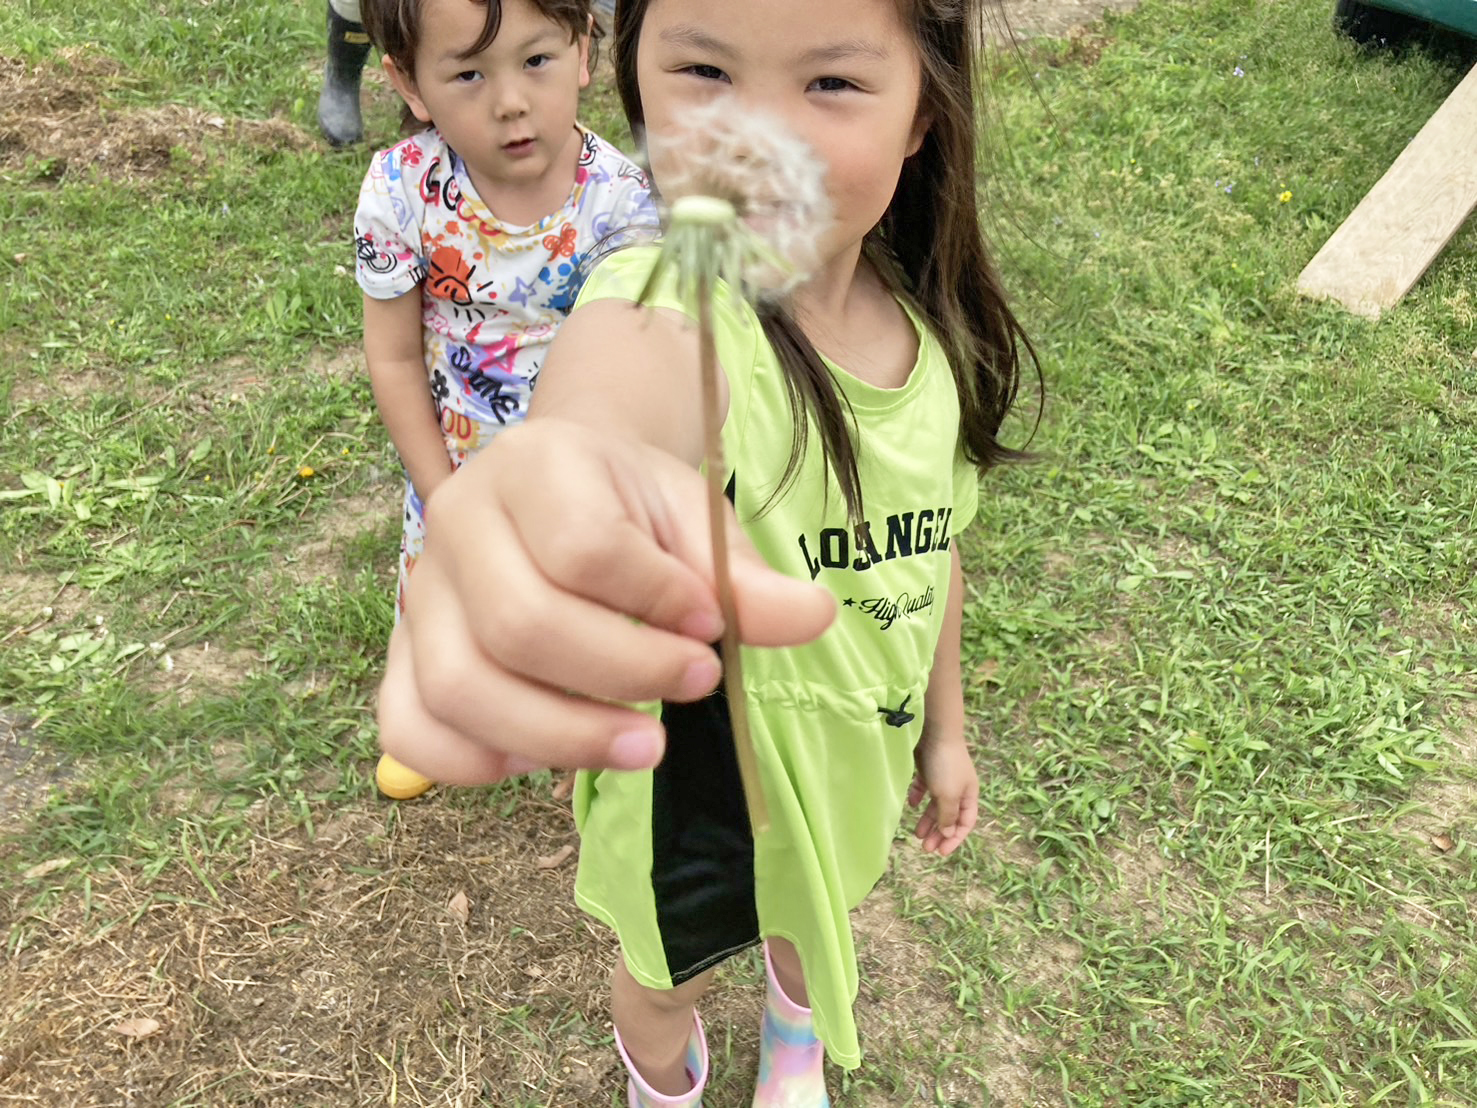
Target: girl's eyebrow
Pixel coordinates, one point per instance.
(691, 37)
(846, 50)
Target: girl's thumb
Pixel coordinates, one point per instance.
(773, 609)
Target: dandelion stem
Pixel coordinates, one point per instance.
(733, 675)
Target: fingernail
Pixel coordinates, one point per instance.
(701, 677)
(705, 626)
(517, 767)
(635, 750)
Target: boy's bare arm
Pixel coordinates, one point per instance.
(402, 392)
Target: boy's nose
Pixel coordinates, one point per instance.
(511, 103)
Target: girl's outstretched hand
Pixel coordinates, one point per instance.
(567, 568)
(946, 777)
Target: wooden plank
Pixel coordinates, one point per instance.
(1397, 230)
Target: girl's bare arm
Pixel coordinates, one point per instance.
(567, 571)
(946, 774)
(630, 370)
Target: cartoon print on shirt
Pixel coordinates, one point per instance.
(562, 243)
(450, 276)
(566, 284)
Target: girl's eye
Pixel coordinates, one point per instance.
(831, 84)
(706, 72)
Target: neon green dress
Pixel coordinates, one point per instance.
(667, 857)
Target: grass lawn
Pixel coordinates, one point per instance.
(1221, 638)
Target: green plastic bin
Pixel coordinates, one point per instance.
(1385, 22)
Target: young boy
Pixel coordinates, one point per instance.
(472, 235)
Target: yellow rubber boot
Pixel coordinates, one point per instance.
(399, 782)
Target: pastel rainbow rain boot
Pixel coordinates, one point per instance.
(641, 1095)
(791, 1058)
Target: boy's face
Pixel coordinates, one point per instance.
(509, 110)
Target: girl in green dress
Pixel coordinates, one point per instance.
(856, 419)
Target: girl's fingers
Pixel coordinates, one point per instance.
(946, 813)
(937, 837)
(636, 539)
(524, 625)
(926, 826)
(775, 610)
(565, 569)
(968, 816)
(416, 739)
(619, 536)
(457, 718)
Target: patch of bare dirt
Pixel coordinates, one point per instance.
(33, 600)
(199, 669)
(421, 954)
(59, 113)
(1443, 812)
(1054, 18)
(42, 390)
(328, 970)
(28, 772)
(321, 554)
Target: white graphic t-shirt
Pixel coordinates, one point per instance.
(492, 294)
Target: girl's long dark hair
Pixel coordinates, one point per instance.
(929, 247)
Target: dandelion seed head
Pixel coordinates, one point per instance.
(770, 176)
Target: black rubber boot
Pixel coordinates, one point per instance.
(338, 106)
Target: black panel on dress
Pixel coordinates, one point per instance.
(702, 846)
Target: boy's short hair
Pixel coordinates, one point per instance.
(395, 27)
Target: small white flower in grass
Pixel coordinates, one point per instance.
(746, 193)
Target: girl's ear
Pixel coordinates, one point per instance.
(405, 85)
(921, 123)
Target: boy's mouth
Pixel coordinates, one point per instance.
(518, 147)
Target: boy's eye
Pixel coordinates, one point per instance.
(468, 75)
(538, 61)
(706, 72)
(831, 84)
